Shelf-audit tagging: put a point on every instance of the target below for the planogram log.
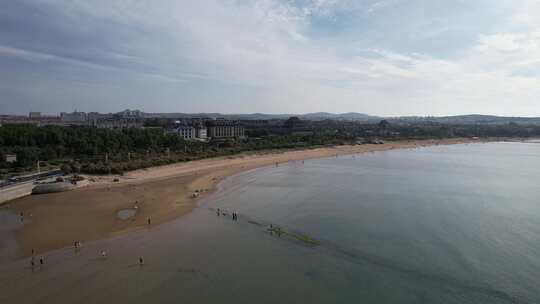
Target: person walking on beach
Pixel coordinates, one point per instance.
(41, 261)
(141, 262)
(149, 221)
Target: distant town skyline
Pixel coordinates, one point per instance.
(378, 57)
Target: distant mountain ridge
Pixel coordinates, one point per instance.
(254, 116)
(470, 119)
(361, 117)
(343, 116)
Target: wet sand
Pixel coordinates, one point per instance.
(161, 194)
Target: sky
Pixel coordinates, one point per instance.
(380, 57)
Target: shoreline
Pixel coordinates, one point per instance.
(160, 193)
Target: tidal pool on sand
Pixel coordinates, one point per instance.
(126, 214)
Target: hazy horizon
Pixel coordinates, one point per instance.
(266, 113)
(380, 57)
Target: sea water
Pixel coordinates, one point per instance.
(444, 224)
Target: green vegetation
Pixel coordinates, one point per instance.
(299, 237)
(303, 238)
(103, 151)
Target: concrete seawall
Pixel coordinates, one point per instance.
(57, 187)
(14, 192)
(52, 188)
(20, 190)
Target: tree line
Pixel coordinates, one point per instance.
(101, 151)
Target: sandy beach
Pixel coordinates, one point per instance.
(161, 194)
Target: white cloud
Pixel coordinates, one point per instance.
(265, 46)
(23, 54)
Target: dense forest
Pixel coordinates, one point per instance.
(95, 150)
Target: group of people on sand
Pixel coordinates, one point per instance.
(41, 260)
(77, 245)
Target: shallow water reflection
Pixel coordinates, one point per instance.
(126, 214)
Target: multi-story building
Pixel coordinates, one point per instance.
(204, 129)
(201, 132)
(94, 117)
(34, 119)
(121, 120)
(10, 158)
(187, 132)
(17, 119)
(34, 115)
(130, 114)
(117, 123)
(222, 128)
(75, 117)
(189, 129)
